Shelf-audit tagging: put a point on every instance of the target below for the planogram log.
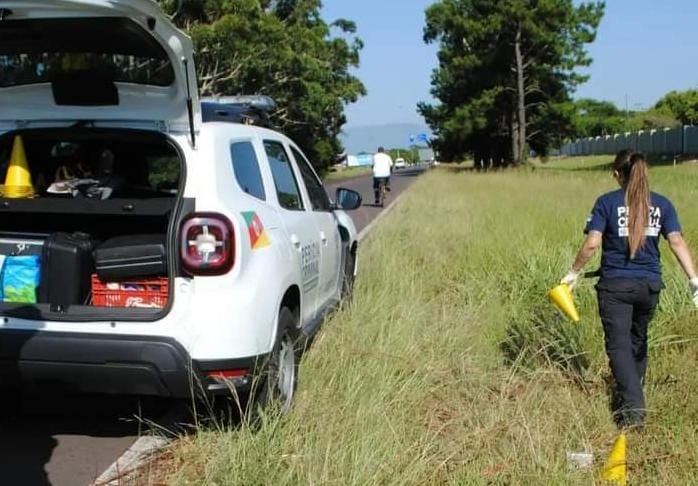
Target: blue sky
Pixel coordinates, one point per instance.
(396, 65)
(644, 49)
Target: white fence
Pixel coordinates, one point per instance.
(667, 141)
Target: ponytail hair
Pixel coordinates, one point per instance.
(632, 171)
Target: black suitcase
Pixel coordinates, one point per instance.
(134, 256)
(66, 269)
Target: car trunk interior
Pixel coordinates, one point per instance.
(89, 236)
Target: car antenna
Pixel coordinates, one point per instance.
(190, 104)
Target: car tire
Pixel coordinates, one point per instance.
(276, 386)
(348, 274)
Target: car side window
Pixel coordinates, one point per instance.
(284, 179)
(317, 193)
(246, 169)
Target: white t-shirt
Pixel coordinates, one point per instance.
(381, 165)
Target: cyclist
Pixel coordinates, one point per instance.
(382, 167)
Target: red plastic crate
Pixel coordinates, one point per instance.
(143, 293)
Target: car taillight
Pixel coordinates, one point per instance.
(222, 379)
(207, 244)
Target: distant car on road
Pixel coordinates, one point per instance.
(400, 163)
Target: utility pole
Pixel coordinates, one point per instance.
(627, 114)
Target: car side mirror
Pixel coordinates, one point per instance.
(347, 199)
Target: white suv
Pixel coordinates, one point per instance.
(234, 249)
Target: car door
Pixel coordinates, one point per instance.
(328, 228)
(300, 225)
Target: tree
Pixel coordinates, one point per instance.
(650, 119)
(683, 105)
(283, 49)
(411, 155)
(506, 74)
(597, 118)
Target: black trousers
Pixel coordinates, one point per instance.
(627, 307)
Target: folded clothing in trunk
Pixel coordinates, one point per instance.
(126, 257)
(66, 269)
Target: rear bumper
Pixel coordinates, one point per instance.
(97, 363)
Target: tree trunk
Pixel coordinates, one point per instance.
(514, 129)
(519, 157)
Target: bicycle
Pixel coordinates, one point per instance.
(382, 192)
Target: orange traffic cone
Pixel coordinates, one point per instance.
(561, 296)
(616, 469)
(18, 181)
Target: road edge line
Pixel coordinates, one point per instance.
(133, 458)
(367, 230)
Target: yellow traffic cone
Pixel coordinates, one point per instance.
(18, 181)
(615, 470)
(561, 296)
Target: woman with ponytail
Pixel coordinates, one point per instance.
(627, 224)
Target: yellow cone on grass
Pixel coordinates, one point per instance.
(18, 181)
(561, 296)
(615, 471)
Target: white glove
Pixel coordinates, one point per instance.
(693, 283)
(571, 279)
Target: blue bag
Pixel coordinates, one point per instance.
(20, 278)
(2, 264)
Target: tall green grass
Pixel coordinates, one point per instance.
(450, 365)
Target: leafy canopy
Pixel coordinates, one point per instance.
(283, 49)
(681, 104)
(597, 118)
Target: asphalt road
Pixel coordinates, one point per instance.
(71, 440)
(399, 181)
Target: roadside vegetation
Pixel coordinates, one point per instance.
(411, 155)
(450, 366)
(344, 173)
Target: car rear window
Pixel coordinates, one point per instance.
(118, 49)
(246, 168)
(281, 170)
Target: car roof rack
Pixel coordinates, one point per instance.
(246, 110)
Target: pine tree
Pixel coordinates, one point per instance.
(506, 74)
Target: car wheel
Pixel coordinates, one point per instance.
(277, 386)
(348, 276)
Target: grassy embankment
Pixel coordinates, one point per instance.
(451, 367)
(346, 173)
